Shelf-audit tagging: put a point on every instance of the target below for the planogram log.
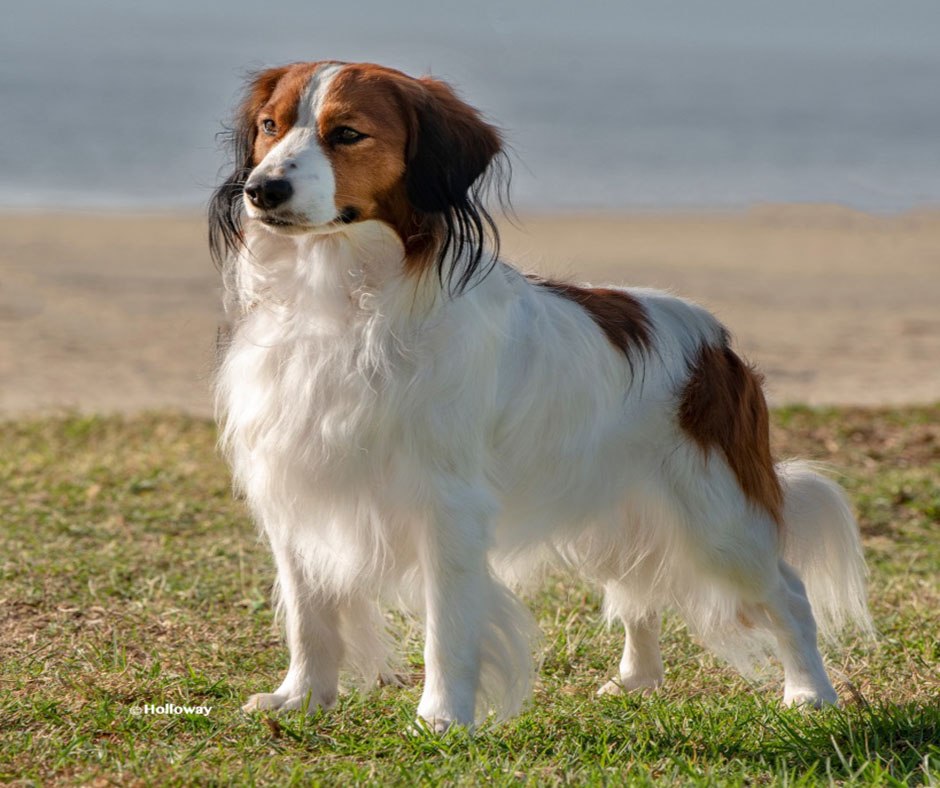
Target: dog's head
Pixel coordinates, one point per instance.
(322, 146)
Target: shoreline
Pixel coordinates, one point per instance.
(104, 312)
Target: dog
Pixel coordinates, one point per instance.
(414, 421)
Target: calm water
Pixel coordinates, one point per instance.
(607, 105)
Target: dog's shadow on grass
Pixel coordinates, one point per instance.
(880, 743)
(875, 744)
(896, 740)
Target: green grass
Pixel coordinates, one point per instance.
(130, 575)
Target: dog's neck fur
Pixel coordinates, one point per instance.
(325, 284)
(323, 324)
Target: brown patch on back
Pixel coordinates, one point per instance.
(723, 407)
(617, 313)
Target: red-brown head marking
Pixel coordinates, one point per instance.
(404, 151)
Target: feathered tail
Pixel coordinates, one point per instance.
(822, 543)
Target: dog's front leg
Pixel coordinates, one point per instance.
(455, 574)
(313, 639)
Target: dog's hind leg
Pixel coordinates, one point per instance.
(641, 666)
(790, 618)
(734, 544)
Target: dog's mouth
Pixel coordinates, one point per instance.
(276, 221)
(347, 215)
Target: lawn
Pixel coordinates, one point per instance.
(129, 575)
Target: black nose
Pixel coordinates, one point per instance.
(269, 193)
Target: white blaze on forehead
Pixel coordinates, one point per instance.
(314, 94)
(303, 135)
(299, 158)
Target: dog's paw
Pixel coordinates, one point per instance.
(396, 680)
(438, 714)
(265, 701)
(611, 688)
(638, 683)
(437, 726)
(277, 701)
(811, 699)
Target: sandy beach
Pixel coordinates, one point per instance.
(105, 313)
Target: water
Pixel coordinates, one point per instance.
(659, 104)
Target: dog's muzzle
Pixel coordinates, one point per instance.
(268, 193)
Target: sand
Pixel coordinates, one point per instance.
(119, 313)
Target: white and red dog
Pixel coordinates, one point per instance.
(412, 420)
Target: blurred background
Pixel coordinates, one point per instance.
(778, 161)
(662, 104)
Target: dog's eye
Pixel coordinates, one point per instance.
(346, 135)
(269, 126)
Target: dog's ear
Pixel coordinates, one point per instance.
(225, 205)
(450, 148)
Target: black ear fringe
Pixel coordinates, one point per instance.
(471, 237)
(225, 205)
